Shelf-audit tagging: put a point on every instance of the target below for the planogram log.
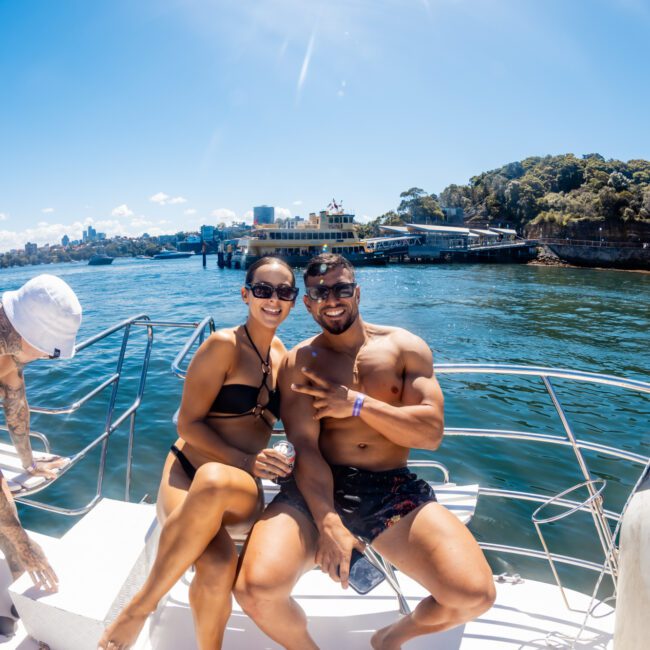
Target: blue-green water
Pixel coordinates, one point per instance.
(577, 318)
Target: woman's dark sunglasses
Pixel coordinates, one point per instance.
(340, 290)
(266, 291)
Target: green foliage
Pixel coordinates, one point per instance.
(542, 196)
(558, 193)
(419, 207)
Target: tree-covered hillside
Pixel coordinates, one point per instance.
(552, 196)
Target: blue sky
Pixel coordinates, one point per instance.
(160, 115)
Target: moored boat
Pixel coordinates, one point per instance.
(172, 255)
(297, 241)
(100, 260)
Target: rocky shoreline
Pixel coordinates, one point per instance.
(546, 257)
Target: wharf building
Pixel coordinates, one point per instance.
(438, 243)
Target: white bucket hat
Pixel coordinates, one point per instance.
(46, 313)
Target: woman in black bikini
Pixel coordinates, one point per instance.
(211, 478)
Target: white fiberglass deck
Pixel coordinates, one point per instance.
(101, 559)
(523, 617)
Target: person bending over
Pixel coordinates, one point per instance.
(355, 399)
(38, 321)
(212, 475)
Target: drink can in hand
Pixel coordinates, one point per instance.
(287, 450)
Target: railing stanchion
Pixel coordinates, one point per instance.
(596, 503)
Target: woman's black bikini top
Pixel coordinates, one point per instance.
(238, 400)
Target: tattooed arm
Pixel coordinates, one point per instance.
(22, 553)
(14, 401)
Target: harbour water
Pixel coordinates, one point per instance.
(574, 318)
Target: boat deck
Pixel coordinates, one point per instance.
(526, 615)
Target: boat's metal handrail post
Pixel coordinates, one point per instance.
(34, 434)
(198, 334)
(595, 503)
(434, 464)
(75, 406)
(594, 495)
(612, 550)
(111, 407)
(545, 437)
(541, 498)
(138, 399)
(378, 561)
(112, 423)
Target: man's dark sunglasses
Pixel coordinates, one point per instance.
(340, 290)
(266, 291)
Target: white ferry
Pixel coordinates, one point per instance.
(297, 241)
(103, 559)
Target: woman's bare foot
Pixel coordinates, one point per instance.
(381, 639)
(123, 632)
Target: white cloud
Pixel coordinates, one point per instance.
(42, 224)
(364, 218)
(298, 202)
(47, 210)
(122, 211)
(3, 216)
(140, 222)
(189, 212)
(160, 198)
(52, 233)
(225, 215)
(282, 213)
(247, 216)
(164, 199)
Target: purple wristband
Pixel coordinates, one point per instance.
(358, 403)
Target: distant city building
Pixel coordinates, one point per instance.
(90, 234)
(101, 236)
(166, 239)
(65, 240)
(207, 233)
(263, 214)
(31, 249)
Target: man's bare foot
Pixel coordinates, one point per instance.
(123, 632)
(381, 640)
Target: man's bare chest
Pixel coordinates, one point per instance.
(375, 370)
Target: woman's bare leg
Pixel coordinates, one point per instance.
(216, 490)
(211, 590)
(279, 550)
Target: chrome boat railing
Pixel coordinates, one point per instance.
(112, 420)
(594, 502)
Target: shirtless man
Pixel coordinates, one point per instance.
(355, 399)
(38, 321)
